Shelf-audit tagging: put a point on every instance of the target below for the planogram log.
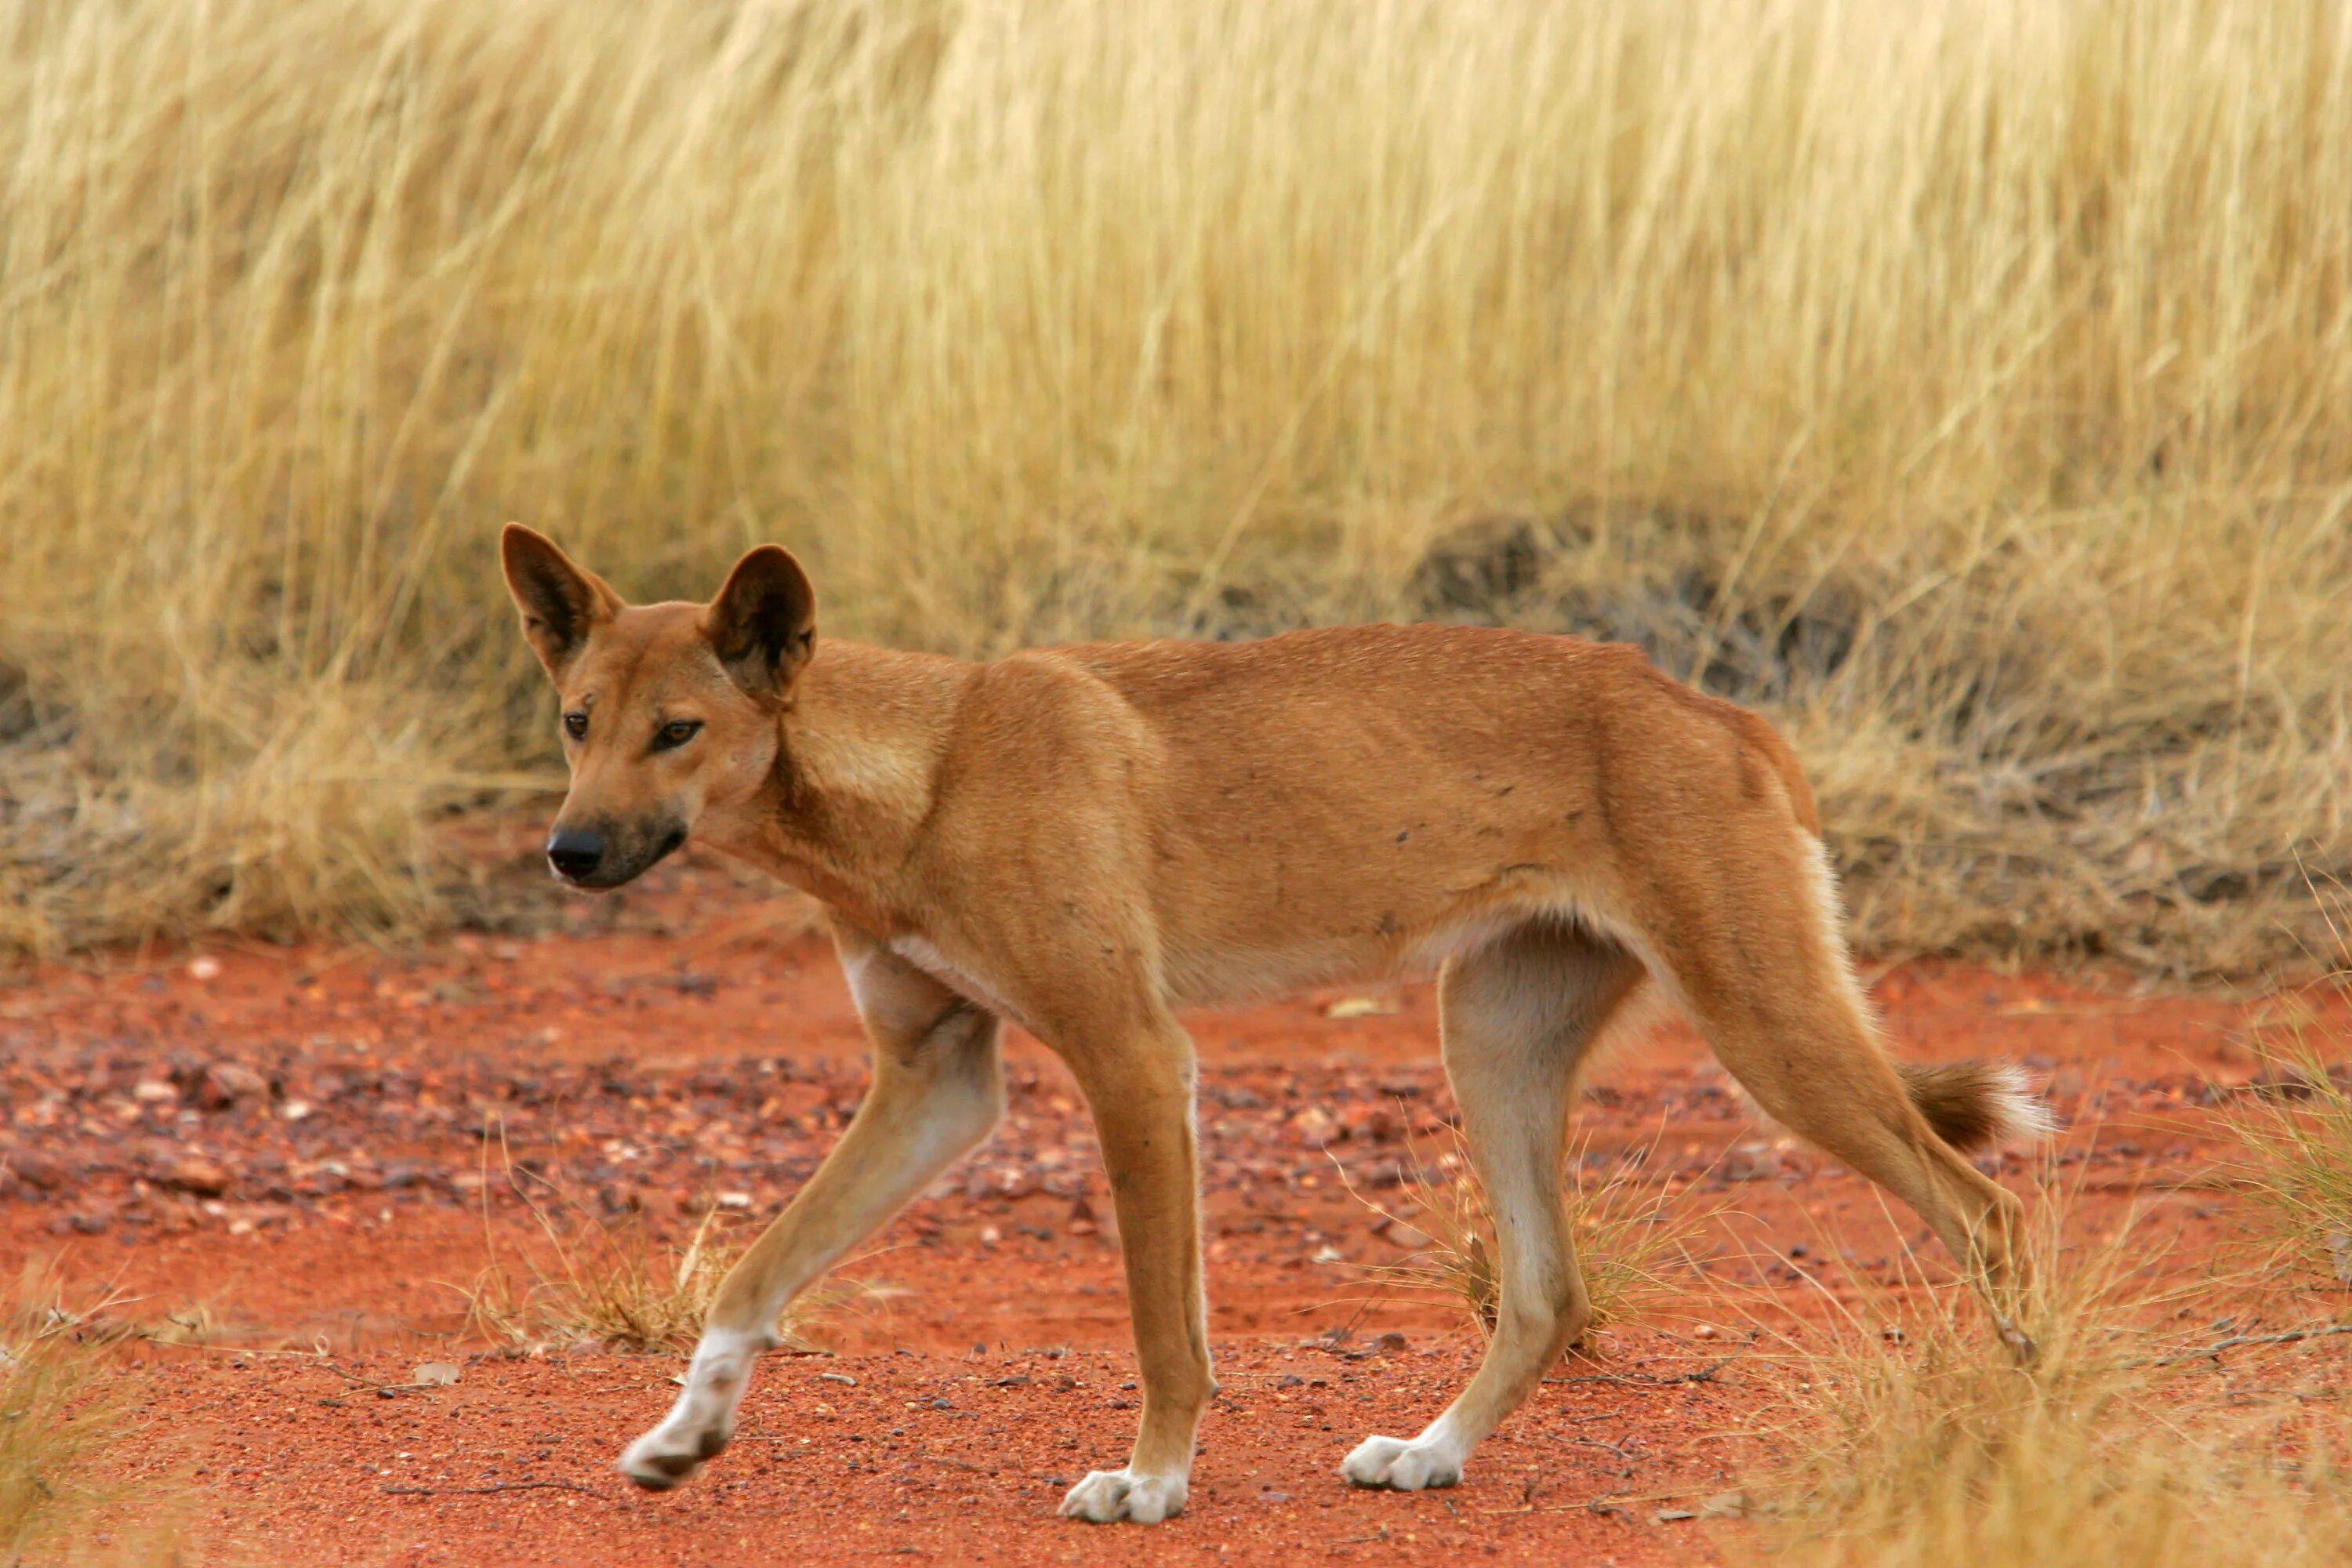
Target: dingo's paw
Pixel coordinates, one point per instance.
(1107, 1495)
(1404, 1467)
(661, 1458)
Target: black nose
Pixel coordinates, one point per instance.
(575, 853)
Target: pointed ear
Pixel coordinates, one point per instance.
(560, 602)
(762, 625)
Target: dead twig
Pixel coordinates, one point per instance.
(1645, 1380)
(493, 1487)
(2238, 1341)
(991, 1469)
(387, 1389)
(1617, 1448)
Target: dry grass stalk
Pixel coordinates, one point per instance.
(1964, 381)
(1933, 1447)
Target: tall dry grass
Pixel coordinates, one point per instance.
(1964, 381)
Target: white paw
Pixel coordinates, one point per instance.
(1405, 1467)
(1107, 1497)
(661, 1458)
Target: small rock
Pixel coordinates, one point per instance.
(1358, 1007)
(225, 1084)
(2293, 1081)
(36, 1169)
(196, 1174)
(1312, 1125)
(1327, 1253)
(1391, 1342)
(1725, 1505)
(203, 967)
(436, 1373)
(1671, 1515)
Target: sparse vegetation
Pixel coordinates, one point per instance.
(1921, 1442)
(1966, 384)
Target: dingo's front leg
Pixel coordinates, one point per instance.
(1142, 1103)
(937, 1091)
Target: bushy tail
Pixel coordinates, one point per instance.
(1974, 1105)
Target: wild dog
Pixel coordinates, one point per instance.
(1084, 840)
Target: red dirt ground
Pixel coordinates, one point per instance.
(690, 1043)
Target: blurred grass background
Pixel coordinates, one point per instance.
(1964, 383)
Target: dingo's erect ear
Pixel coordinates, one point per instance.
(559, 602)
(762, 625)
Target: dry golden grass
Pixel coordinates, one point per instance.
(2118, 1446)
(1964, 381)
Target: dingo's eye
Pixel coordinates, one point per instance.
(677, 733)
(576, 726)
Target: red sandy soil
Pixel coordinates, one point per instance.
(311, 1147)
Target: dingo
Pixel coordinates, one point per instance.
(1086, 840)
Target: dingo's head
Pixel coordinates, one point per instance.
(668, 711)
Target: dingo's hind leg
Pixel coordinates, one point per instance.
(1761, 969)
(1518, 1015)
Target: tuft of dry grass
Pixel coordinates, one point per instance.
(2298, 1129)
(55, 1428)
(2111, 1449)
(59, 1419)
(1965, 382)
(594, 1281)
(2298, 1140)
(1624, 1231)
(579, 1278)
